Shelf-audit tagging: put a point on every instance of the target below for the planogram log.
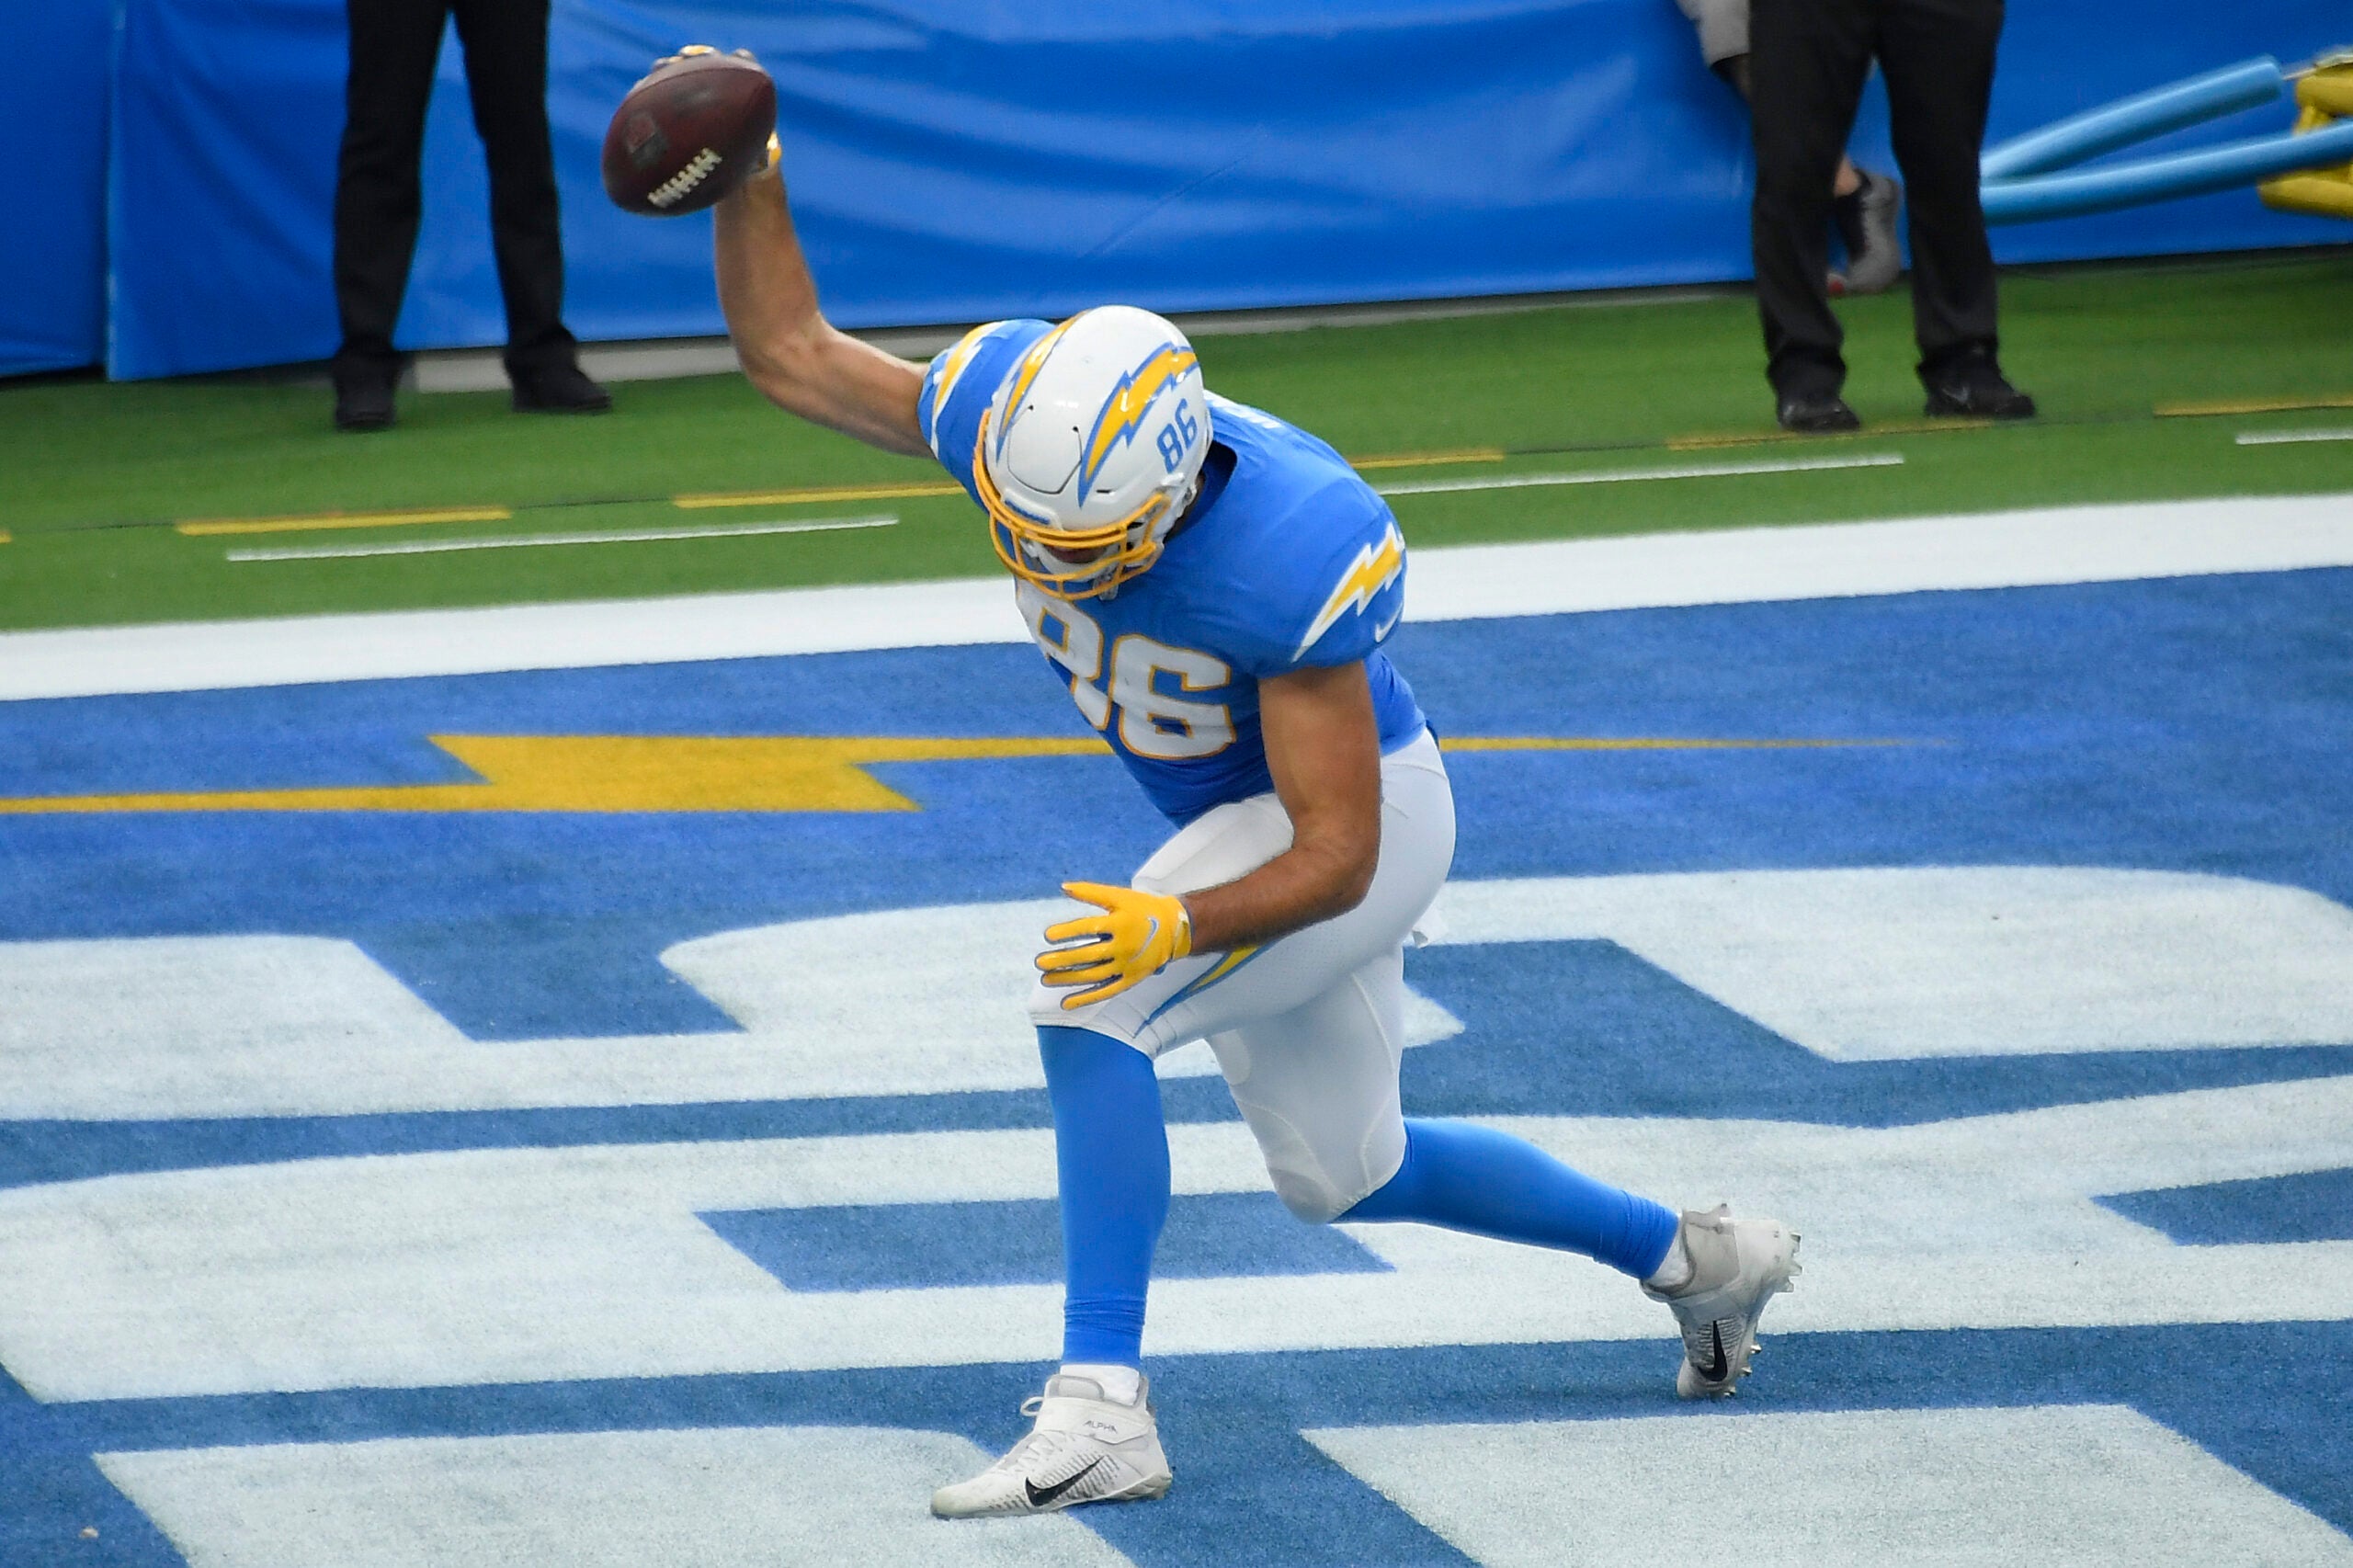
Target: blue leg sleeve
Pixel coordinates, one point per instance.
(1111, 1159)
(1473, 1178)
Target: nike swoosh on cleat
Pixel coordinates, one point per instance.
(1715, 1374)
(1041, 1495)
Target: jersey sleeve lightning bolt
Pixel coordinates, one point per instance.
(957, 389)
(1376, 569)
(1287, 561)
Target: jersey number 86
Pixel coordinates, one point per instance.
(1176, 435)
(1155, 723)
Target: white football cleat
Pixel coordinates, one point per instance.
(1084, 1448)
(1736, 1266)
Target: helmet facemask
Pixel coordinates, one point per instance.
(1079, 563)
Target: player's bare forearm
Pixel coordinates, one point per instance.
(1324, 749)
(797, 357)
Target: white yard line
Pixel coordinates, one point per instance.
(1636, 475)
(525, 541)
(2287, 437)
(2079, 544)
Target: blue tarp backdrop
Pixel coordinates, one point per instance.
(955, 160)
(54, 140)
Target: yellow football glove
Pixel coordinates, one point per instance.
(1137, 934)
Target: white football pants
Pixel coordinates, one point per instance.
(1307, 1028)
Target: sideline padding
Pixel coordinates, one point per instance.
(955, 163)
(2082, 544)
(53, 77)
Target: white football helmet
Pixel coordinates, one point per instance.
(1090, 450)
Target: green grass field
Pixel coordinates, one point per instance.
(94, 477)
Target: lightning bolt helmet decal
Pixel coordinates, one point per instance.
(1124, 410)
(1090, 450)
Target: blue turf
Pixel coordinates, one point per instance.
(2199, 724)
(2194, 724)
(2316, 1206)
(1587, 1029)
(910, 1246)
(1568, 1029)
(2245, 1392)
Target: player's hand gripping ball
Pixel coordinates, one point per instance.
(1137, 935)
(694, 127)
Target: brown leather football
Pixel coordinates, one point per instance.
(688, 134)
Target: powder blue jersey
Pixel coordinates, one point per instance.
(1286, 561)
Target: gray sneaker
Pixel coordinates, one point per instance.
(1736, 1266)
(1084, 1448)
(1866, 223)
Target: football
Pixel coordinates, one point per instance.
(688, 134)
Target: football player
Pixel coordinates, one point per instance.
(1212, 587)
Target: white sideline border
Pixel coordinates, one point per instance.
(1998, 549)
(2289, 438)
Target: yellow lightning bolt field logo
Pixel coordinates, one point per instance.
(1375, 567)
(729, 773)
(1124, 410)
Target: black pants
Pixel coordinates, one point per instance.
(393, 46)
(1808, 60)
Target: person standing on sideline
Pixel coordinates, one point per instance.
(1807, 63)
(1862, 203)
(394, 44)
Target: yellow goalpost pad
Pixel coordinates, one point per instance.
(2323, 96)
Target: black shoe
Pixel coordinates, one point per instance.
(1816, 413)
(560, 388)
(363, 401)
(1975, 390)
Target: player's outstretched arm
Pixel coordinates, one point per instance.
(1324, 749)
(789, 349)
